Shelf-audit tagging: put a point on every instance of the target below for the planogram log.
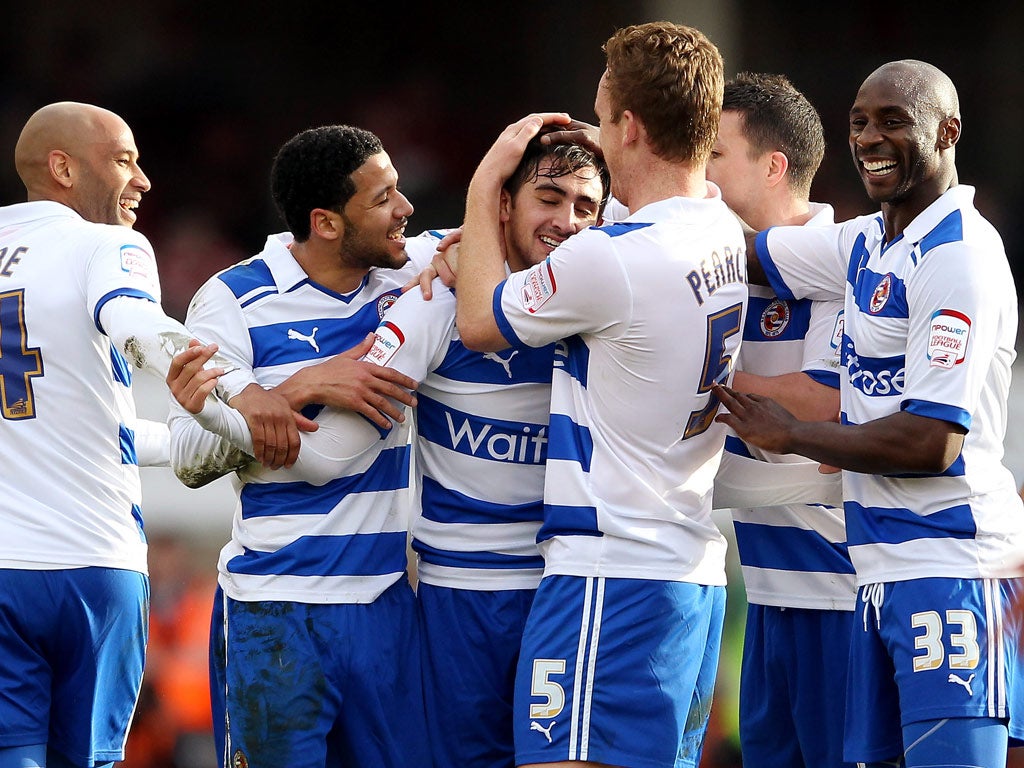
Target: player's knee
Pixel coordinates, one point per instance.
(30, 756)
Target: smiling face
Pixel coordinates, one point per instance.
(546, 210)
(375, 217)
(107, 182)
(899, 137)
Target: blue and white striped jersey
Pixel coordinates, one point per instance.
(647, 314)
(930, 326)
(70, 491)
(793, 556)
(481, 444)
(339, 539)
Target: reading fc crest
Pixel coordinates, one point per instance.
(881, 295)
(384, 303)
(775, 318)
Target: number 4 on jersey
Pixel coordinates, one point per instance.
(19, 363)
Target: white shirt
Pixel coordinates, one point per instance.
(931, 321)
(70, 492)
(793, 556)
(318, 532)
(647, 314)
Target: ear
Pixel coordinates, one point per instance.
(632, 128)
(59, 164)
(778, 164)
(949, 132)
(327, 225)
(505, 206)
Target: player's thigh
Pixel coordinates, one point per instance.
(768, 736)
(471, 647)
(382, 719)
(962, 742)
(73, 643)
(609, 669)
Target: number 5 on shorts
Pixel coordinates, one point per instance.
(542, 685)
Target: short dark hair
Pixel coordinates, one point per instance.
(565, 159)
(778, 117)
(314, 170)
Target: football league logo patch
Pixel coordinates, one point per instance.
(136, 262)
(775, 318)
(947, 338)
(538, 288)
(239, 760)
(881, 295)
(388, 339)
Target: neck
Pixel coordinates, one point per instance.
(325, 268)
(897, 215)
(655, 179)
(786, 211)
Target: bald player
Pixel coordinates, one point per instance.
(935, 526)
(79, 308)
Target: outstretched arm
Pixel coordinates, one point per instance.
(898, 443)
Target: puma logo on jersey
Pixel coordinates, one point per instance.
(293, 334)
(960, 681)
(535, 726)
(504, 362)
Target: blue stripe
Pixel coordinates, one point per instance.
(859, 257)
(893, 525)
(137, 515)
(949, 230)
(874, 376)
(940, 411)
(528, 365)
(798, 321)
(389, 472)
(790, 549)
(242, 279)
(621, 228)
(480, 559)
(867, 284)
(363, 554)
(770, 270)
(502, 322)
(573, 356)
(510, 442)
(568, 441)
(131, 293)
(444, 505)
(271, 345)
(561, 520)
(737, 447)
(119, 367)
(828, 378)
(126, 438)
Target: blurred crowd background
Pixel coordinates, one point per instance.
(213, 89)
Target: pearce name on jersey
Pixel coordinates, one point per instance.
(716, 270)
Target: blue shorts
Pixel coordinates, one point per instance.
(471, 647)
(73, 644)
(617, 671)
(929, 649)
(793, 687)
(315, 686)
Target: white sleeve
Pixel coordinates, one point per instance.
(152, 443)
(745, 483)
(327, 454)
(199, 456)
(147, 337)
(581, 287)
(806, 262)
(215, 316)
(823, 343)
